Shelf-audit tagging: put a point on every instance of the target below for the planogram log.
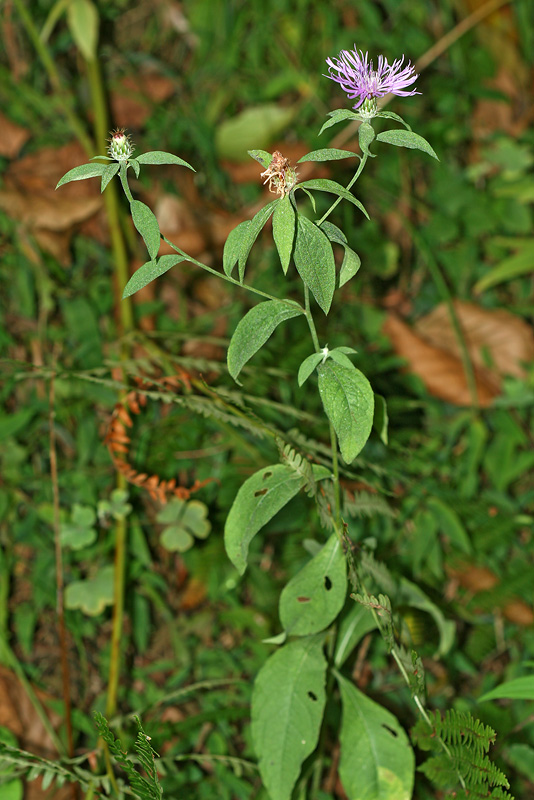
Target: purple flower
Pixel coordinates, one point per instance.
(358, 78)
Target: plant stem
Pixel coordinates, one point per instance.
(348, 187)
(60, 605)
(64, 99)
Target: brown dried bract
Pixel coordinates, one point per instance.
(118, 441)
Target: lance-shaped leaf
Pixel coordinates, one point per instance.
(327, 154)
(377, 761)
(284, 230)
(392, 115)
(324, 185)
(233, 246)
(407, 139)
(314, 261)
(366, 135)
(261, 156)
(109, 173)
(254, 329)
(251, 234)
(82, 172)
(149, 271)
(83, 22)
(350, 266)
(257, 501)
(334, 233)
(348, 401)
(161, 157)
(287, 710)
(307, 367)
(147, 225)
(134, 164)
(314, 596)
(338, 115)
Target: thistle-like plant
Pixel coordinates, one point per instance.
(298, 680)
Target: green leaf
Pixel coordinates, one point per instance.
(82, 172)
(407, 139)
(348, 401)
(392, 115)
(82, 19)
(311, 198)
(327, 154)
(233, 246)
(187, 520)
(147, 225)
(314, 261)
(109, 173)
(284, 230)
(366, 135)
(93, 595)
(516, 689)
(254, 329)
(325, 185)
(307, 367)
(334, 233)
(340, 357)
(80, 531)
(338, 115)
(262, 157)
(377, 761)
(314, 596)
(352, 628)
(149, 271)
(254, 126)
(512, 267)
(160, 157)
(380, 418)
(257, 501)
(287, 710)
(134, 163)
(450, 524)
(251, 234)
(350, 266)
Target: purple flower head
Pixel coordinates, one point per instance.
(357, 76)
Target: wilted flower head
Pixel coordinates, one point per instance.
(281, 176)
(357, 77)
(120, 145)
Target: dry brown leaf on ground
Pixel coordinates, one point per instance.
(499, 343)
(29, 196)
(495, 338)
(18, 714)
(132, 102)
(441, 372)
(12, 137)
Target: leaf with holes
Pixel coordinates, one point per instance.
(348, 401)
(314, 596)
(149, 272)
(147, 225)
(257, 501)
(255, 328)
(377, 761)
(314, 261)
(287, 710)
(407, 139)
(284, 230)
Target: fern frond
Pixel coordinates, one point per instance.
(365, 504)
(144, 788)
(30, 766)
(301, 466)
(460, 728)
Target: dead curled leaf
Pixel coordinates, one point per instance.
(499, 343)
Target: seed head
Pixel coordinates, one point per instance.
(281, 176)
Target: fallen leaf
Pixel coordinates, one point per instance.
(441, 372)
(18, 714)
(519, 612)
(13, 137)
(498, 342)
(132, 102)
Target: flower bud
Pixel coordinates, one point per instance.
(120, 145)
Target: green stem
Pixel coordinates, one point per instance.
(64, 98)
(227, 278)
(337, 486)
(348, 187)
(310, 320)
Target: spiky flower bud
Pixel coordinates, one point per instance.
(120, 145)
